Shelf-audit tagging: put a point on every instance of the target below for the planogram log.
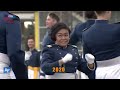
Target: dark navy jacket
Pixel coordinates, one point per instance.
(52, 53)
(34, 59)
(102, 40)
(47, 39)
(10, 43)
(76, 35)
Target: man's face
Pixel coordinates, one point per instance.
(31, 43)
(50, 22)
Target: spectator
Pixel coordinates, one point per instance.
(32, 59)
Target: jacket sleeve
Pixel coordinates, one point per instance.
(85, 47)
(47, 61)
(13, 36)
(83, 67)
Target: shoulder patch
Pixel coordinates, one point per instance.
(49, 46)
(9, 18)
(14, 17)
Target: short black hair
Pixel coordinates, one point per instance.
(54, 16)
(56, 28)
(90, 15)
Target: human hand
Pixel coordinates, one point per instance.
(89, 58)
(68, 57)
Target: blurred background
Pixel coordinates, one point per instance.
(33, 23)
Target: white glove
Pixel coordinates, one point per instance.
(89, 58)
(68, 57)
(27, 55)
